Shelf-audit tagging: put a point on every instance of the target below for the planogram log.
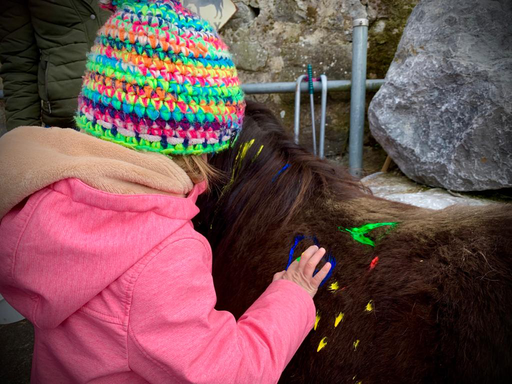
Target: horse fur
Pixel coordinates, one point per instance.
(441, 291)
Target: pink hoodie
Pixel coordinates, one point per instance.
(119, 289)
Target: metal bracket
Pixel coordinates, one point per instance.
(360, 22)
(296, 125)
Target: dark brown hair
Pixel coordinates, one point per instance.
(269, 150)
(435, 306)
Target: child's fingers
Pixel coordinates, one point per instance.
(294, 265)
(278, 275)
(306, 255)
(310, 267)
(320, 276)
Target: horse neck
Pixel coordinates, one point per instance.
(268, 188)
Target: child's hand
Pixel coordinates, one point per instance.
(301, 272)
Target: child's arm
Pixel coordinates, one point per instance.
(176, 335)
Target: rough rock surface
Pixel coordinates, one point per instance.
(274, 40)
(397, 187)
(445, 112)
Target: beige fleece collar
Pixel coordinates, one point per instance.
(32, 158)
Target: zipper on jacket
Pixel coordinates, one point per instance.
(48, 104)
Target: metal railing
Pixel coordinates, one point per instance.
(358, 96)
(358, 87)
(289, 87)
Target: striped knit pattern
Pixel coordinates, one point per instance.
(160, 79)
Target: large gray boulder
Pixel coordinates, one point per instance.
(444, 114)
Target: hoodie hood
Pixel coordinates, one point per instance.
(34, 157)
(79, 219)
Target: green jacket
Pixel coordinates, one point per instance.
(43, 47)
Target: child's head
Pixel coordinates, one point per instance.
(160, 79)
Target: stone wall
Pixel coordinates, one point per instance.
(274, 40)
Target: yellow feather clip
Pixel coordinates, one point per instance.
(369, 306)
(334, 287)
(242, 151)
(356, 343)
(245, 148)
(338, 319)
(322, 344)
(317, 320)
(257, 154)
(240, 157)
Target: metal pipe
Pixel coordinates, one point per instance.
(357, 96)
(291, 87)
(323, 79)
(312, 103)
(296, 118)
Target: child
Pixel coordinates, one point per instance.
(97, 246)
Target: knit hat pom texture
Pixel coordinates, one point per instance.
(160, 79)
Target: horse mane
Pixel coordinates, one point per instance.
(259, 177)
(437, 294)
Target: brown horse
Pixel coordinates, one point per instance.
(420, 297)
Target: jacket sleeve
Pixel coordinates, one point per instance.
(19, 56)
(175, 334)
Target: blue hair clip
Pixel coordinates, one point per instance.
(280, 171)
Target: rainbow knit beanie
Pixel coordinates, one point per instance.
(160, 79)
